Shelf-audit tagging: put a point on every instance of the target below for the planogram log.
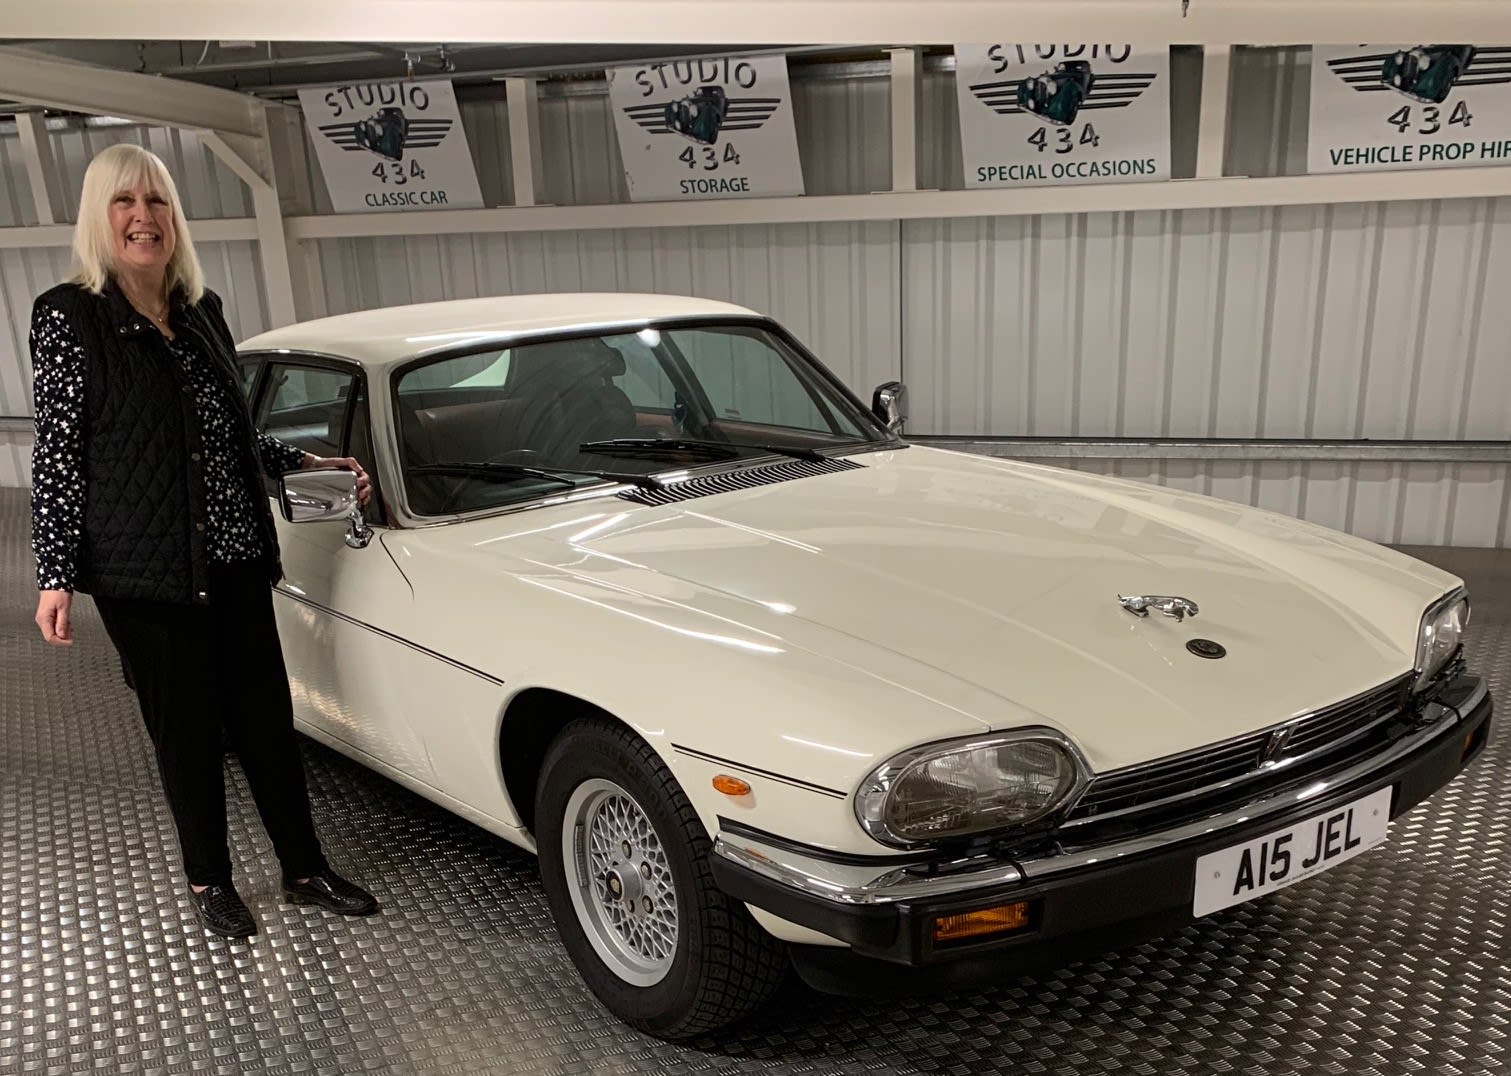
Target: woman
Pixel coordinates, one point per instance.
(147, 495)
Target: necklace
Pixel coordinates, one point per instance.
(161, 319)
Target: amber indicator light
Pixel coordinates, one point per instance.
(998, 920)
(731, 786)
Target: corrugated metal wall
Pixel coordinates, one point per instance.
(1349, 321)
(1269, 100)
(1465, 504)
(208, 188)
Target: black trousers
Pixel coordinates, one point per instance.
(202, 670)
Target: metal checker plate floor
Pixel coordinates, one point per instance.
(1395, 962)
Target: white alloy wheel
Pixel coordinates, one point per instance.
(620, 882)
(625, 864)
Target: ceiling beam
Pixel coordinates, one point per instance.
(883, 22)
(37, 80)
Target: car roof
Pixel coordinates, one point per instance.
(391, 334)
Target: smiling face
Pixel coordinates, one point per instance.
(141, 225)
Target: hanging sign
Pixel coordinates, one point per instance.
(717, 128)
(1034, 115)
(391, 145)
(1382, 107)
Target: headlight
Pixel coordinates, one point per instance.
(965, 787)
(1442, 630)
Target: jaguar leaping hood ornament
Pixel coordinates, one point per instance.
(1140, 604)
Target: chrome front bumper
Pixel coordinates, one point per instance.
(1078, 903)
(856, 884)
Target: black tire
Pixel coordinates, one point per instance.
(724, 965)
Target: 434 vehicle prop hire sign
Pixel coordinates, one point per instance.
(718, 128)
(1383, 107)
(391, 145)
(1034, 115)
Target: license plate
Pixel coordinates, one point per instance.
(1278, 859)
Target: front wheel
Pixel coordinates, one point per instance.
(624, 862)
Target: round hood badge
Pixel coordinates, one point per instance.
(1206, 648)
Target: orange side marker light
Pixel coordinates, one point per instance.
(731, 786)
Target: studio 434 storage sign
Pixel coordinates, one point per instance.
(1381, 107)
(719, 128)
(1032, 115)
(391, 145)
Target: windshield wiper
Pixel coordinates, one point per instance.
(514, 470)
(637, 446)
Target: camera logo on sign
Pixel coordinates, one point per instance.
(388, 132)
(702, 115)
(1426, 73)
(1058, 95)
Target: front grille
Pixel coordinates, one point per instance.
(746, 478)
(1194, 783)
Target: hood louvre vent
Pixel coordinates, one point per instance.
(730, 481)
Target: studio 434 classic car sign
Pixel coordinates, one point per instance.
(391, 145)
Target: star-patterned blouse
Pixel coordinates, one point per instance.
(57, 463)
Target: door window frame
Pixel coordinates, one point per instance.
(309, 360)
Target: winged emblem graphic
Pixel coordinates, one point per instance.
(1058, 95)
(388, 132)
(703, 115)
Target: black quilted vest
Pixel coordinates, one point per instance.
(145, 509)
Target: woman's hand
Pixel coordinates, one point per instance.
(53, 607)
(344, 463)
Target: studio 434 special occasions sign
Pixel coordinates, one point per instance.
(716, 128)
(391, 145)
(1382, 107)
(1033, 115)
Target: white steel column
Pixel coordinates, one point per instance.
(41, 167)
(277, 279)
(1212, 137)
(523, 98)
(252, 161)
(904, 119)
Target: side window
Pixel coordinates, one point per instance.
(250, 368)
(643, 380)
(488, 370)
(306, 407)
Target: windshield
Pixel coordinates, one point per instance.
(502, 425)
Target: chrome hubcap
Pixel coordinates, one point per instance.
(620, 882)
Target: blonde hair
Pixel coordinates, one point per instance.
(115, 169)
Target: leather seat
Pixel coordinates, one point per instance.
(570, 383)
(561, 394)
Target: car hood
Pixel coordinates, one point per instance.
(992, 587)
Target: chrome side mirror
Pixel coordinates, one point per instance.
(890, 404)
(324, 496)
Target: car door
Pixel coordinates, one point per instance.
(336, 605)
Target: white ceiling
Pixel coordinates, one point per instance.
(745, 22)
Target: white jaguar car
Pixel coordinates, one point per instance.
(644, 589)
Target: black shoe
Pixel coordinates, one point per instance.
(221, 910)
(329, 890)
